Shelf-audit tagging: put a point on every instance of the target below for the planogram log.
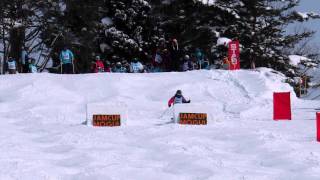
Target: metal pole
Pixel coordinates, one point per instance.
(72, 67)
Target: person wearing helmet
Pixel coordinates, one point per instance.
(136, 66)
(177, 99)
(186, 63)
(99, 66)
(119, 68)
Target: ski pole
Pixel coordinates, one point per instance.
(60, 68)
(165, 112)
(72, 67)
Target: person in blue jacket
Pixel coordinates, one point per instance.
(67, 61)
(200, 59)
(32, 66)
(119, 68)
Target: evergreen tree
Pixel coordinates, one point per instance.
(134, 28)
(188, 21)
(74, 24)
(129, 30)
(260, 26)
(121, 29)
(21, 24)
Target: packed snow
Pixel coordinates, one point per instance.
(107, 21)
(209, 2)
(223, 41)
(44, 134)
(295, 60)
(303, 15)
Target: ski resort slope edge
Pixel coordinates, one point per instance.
(43, 136)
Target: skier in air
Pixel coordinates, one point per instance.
(177, 99)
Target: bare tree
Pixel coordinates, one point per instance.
(21, 23)
(306, 47)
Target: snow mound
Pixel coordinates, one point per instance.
(295, 60)
(42, 135)
(223, 41)
(107, 21)
(209, 2)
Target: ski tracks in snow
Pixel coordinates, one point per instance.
(42, 136)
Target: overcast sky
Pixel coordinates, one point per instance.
(307, 6)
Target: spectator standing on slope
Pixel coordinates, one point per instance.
(67, 61)
(126, 65)
(175, 55)
(98, 66)
(167, 61)
(119, 68)
(24, 60)
(32, 66)
(200, 58)
(12, 65)
(107, 67)
(157, 61)
(186, 66)
(136, 66)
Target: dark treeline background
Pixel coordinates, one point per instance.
(124, 29)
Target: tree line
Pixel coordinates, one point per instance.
(123, 29)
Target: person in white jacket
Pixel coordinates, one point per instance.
(12, 65)
(136, 66)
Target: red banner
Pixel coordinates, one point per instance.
(281, 106)
(318, 127)
(234, 55)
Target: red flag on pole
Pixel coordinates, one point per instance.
(318, 127)
(281, 106)
(234, 55)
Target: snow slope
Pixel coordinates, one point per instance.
(42, 136)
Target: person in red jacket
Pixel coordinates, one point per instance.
(99, 66)
(177, 99)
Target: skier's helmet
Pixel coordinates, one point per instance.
(179, 93)
(135, 60)
(65, 47)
